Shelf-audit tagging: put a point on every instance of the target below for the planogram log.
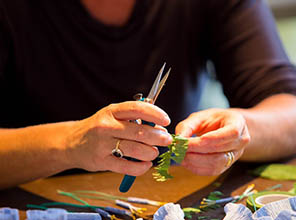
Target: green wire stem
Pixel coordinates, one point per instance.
(80, 192)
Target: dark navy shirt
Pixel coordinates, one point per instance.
(57, 63)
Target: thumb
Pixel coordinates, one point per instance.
(188, 127)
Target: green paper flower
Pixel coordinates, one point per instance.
(177, 151)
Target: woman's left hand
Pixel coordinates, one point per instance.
(220, 137)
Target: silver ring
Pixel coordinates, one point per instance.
(230, 158)
(116, 151)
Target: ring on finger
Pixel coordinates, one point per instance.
(116, 151)
(230, 158)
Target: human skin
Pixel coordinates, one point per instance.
(254, 134)
(265, 132)
(262, 133)
(39, 151)
(43, 150)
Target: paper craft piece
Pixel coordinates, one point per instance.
(276, 172)
(169, 211)
(237, 212)
(60, 214)
(280, 210)
(9, 214)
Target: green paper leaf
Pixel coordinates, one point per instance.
(217, 184)
(188, 215)
(215, 195)
(276, 172)
(177, 151)
(294, 189)
(189, 209)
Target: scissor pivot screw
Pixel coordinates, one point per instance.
(138, 96)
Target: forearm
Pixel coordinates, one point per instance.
(272, 127)
(32, 152)
(40, 151)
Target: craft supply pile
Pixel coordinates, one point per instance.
(271, 203)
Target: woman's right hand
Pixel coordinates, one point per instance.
(91, 141)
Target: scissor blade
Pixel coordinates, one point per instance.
(155, 85)
(161, 84)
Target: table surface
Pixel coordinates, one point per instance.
(185, 188)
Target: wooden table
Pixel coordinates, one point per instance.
(185, 188)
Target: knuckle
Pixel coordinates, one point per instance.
(235, 132)
(140, 133)
(246, 139)
(103, 125)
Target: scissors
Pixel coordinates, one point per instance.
(157, 86)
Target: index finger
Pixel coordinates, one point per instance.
(133, 110)
(219, 140)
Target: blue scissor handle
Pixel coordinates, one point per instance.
(126, 183)
(128, 180)
(148, 123)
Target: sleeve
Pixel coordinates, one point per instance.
(4, 43)
(248, 55)
(6, 89)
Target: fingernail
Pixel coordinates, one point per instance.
(167, 118)
(166, 136)
(164, 129)
(169, 138)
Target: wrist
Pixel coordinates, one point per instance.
(66, 142)
(57, 139)
(71, 143)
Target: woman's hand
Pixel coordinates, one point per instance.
(90, 143)
(218, 131)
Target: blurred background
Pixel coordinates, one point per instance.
(285, 15)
